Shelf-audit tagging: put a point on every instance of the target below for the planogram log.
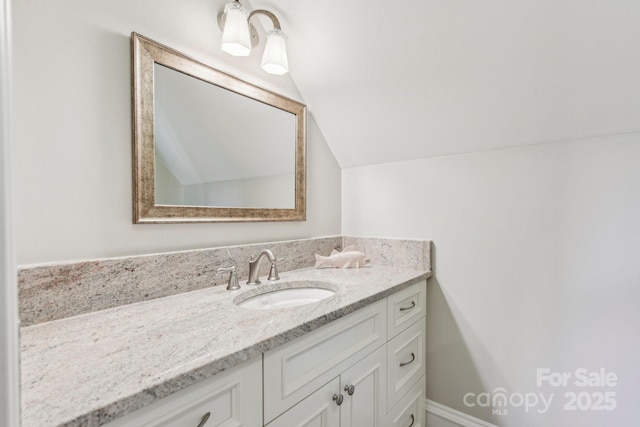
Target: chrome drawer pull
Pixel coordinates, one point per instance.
(413, 304)
(204, 419)
(413, 357)
(350, 389)
(413, 420)
(338, 398)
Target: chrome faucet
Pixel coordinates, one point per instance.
(254, 268)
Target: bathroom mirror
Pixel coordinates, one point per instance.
(209, 147)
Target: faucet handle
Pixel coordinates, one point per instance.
(273, 271)
(233, 284)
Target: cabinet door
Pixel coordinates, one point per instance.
(296, 369)
(231, 398)
(317, 410)
(366, 380)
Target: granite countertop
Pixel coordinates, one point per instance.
(90, 369)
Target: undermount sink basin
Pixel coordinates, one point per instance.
(287, 295)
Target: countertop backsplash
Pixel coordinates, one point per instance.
(415, 254)
(56, 291)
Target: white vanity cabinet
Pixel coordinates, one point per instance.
(365, 369)
(232, 398)
(406, 348)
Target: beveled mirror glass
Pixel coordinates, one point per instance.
(210, 147)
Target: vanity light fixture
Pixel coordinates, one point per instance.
(239, 36)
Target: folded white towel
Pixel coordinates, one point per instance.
(348, 258)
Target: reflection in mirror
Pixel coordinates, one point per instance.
(210, 147)
(216, 148)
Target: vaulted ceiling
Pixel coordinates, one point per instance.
(390, 81)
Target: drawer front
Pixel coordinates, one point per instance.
(231, 398)
(409, 412)
(405, 361)
(298, 368)
(405, 307)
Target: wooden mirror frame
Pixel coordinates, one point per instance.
(146, 53)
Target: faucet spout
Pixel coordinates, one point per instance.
(254, 267)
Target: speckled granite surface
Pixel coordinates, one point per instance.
(90, 369)
(396, 252)
(56, 291)
(121, 333)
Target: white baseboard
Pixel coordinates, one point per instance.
(451, 416)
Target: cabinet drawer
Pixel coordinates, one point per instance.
(232, 398)
(409, 412)
(298, 368)
(405, 307)
(405, 359)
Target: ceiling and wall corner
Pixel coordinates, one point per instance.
(392, 81)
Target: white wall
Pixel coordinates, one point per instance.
(536, 266)
(73, 131)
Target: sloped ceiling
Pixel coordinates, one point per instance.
(390, 81)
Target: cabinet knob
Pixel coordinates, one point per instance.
(413, 304)
(350, 389)
(205, 418)
(338, 398)
(413, 357)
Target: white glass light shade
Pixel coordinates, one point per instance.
(235, 36)
(274, 59)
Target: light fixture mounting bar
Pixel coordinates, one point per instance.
(276, 23)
